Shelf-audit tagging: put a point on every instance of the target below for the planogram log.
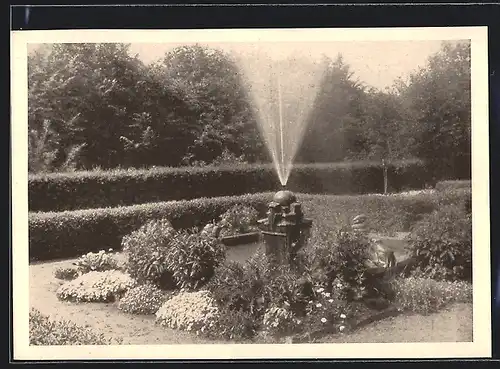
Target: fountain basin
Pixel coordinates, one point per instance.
(241, 239)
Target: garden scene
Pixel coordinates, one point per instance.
(210, 198)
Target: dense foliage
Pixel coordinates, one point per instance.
(425, 295)
(96, 105)
(44, 331)
(441, 244)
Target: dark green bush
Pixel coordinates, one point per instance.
(239, 219)
(441, 244)
(44, 331)
(66, 274)
(74, 233)
(148, 250)
(339, 256)
(96, 189)
(192, 258)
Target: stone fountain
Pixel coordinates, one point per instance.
(285, 230)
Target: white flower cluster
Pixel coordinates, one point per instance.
(96, 287)
(143, 299)
(189, 311)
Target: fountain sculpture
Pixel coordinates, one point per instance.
(285, 230)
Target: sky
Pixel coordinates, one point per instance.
(375, 63)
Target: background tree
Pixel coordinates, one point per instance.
(439, 98)
(334, 129)
(214, 89)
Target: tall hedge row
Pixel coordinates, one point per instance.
(97, 189)
(72, 233)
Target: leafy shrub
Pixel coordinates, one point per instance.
(238, 287)
(100, 189)
(74, 233)
(147, 250)
(189, 311)
(96, 287)
(279, 320)
(44, 331)
(425, 295)
(67, 274)
(96, 261)
(234, 325)
(238, 219)
(143, 299)
(192, 257)
(340, 256)
(441, 245)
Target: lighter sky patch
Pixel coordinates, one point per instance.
(376, 63)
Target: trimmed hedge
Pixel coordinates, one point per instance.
(453, 185)
(98, 189)
(73, 233)
(69, 234)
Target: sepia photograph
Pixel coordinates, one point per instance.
(280, 193)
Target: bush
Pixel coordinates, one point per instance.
(441, 245)
(47, 332)
(96, 261)
(239, 219)
(147, 253)
(425, 295)
(74, 233)
(192, 258)
(105, 286)
(144, 299)
(189, 311)
(238, 287)
(97, 189)
(339, 256)
(67, 274)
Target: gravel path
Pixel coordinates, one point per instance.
(451, 325)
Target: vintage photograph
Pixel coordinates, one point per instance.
(305, 188)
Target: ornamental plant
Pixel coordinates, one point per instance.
(192, 258)
(67, 274)
(143, 299)
(441, 245)
(44, 331)
(104, 286)
(189, 311)
(147, 249)
(238, 219)
(426, 295)
(96, 261)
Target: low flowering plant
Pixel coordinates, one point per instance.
(96, 262)
(104, 286)
(194, 312)
(326, 311)
(142, 299)
(279, 320)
